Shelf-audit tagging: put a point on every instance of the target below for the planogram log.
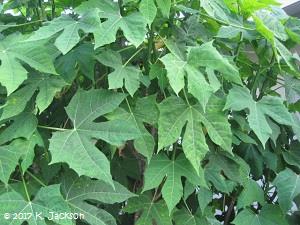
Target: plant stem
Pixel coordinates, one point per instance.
(137, 52)
(24, 184)
(22, 24)
(52, 128)
(36, 179)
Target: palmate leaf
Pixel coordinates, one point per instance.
(269, 215)
(204, 56)
(14, 52)
(148, 10)
(46, 85)
(160, 166)
(76, 145)
(151, 210)
(47, 200)
(184, 217)
(132, 25)
(175, 113)
(77, 190)
(239, 98)
(69, 27)
(123, 75)
(145, 111)
(288, 187)
(18, 150)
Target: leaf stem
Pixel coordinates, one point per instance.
(24, 184)
(186, 98)
(52, 128)
(36, 179)
(21, 24)
(137, 52)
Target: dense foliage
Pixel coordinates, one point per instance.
(149, 112)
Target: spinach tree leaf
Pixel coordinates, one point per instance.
(175, 114)
(269, 215)
(70, 27)
(123, 75)
(132, 25)
(47, 202)
(74, 146)
(14, 52)
(239, 98)
(78, 190)
(160, 166)
(151, 210)
(288, 187)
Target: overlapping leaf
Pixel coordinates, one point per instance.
(75, 146)
(239, 98)
(14, 52)
(175, 113)
(77, 190)
(151, 210)
(160, 166)
(132, 25)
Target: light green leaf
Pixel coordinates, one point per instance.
(77, 190)
(251, 193)
(151, 210)
(205, 196)
(184, 217)
(47, 202)
(164, 6)
(123, 75)
(47, 86)
(24, 126)
(76, 145)
(160, 166)
(288, 187)
(175, 113)
(132, 25)
(148, 10)
(69, 29)
(145, 111)
(239, 98)
(207, 56)
(14, 52)
(269, 215)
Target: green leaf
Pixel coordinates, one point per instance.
(145, 111)
(184, 217)
(47, 86)
(204, 56)
(175, 113)
(14, 52)
(132, 25)
(208, 56)
(83, 109)
(69, 29)
(269, 215)
(239, 98)
(47, 202)
(288, 187)
(164, 6)
(205, 196)
(78, 190)
(160, 166)
(24, 126)
(148, 10)
(123, 75)
(251, 193)
(151, 211)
